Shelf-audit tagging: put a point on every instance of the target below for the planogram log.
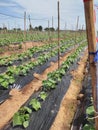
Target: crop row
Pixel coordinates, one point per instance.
(22, 117)
(10, 38)
(28, 54)
(6, 61)
(8, 78)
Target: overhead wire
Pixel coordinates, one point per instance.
(21, 17)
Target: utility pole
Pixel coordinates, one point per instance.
(52, 22)
(65, 30)
(91, 37)
(82, 27)
(58, 34)
(24, 25)
(30, 25)
(25, 28)
(49, 30)
(77, 24)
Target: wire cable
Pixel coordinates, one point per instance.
(21, 17)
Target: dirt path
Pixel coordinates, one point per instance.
(69, 102)
(10, 106)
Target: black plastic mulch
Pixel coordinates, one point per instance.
(4, 95)
(3, 69)
(43, 119)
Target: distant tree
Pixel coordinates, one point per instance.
(14, 29)
(40, 28)
(18, 29)
(36, 28)
(46, 29)
(4, 28)
(30, 27)
(52, 29)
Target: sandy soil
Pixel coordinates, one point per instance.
(69, 103)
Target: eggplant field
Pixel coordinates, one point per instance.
(48, 66)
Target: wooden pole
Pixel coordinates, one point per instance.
(52, 22)
(49, 30)
(65, 30)
(77, 24)
(52, 28)
(58, 34)
(82, 27)
(25, 28)
(91, 36)
(24, 24)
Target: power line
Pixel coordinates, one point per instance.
(11, 16)
(20, 17)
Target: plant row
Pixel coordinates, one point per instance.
(22, 117)
(18, 37)
(7, 61)
(10, 76)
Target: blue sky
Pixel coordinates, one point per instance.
(41, 11)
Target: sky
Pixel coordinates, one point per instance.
(40, 12)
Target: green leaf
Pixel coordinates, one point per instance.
(10, 63)
(5, 84)
(88, 127)
(26, 116)
(52, 81)
(62, 71)
(6, 76)
(22, 116)
(28, 109)
(17, 119)
(1, 79)
(35, 104)
(11, 81)
(90, 110)
(43, 95)
(24, 71)
(25, 124)
(49, 84)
